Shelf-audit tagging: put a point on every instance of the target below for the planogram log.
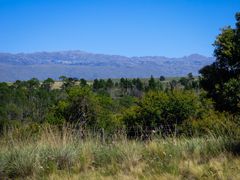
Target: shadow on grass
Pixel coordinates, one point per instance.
(234, 148)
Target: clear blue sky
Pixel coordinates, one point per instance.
(170, 28)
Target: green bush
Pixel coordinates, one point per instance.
(212, 122)
(79, 107)
(160, 110)
(52, 119)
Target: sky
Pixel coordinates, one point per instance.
(172, 28)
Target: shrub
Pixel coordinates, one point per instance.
(212, 122)
(18, 163)
(79, 107)
(160, 110)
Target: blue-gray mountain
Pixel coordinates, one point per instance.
(81, 64)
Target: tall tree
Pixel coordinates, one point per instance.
(139, 84)
(95, 84)
(225, 71)
(152, 83)
(109, 83)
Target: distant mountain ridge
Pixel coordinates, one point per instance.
(89, 65)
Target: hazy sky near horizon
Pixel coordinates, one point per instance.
(170, 28)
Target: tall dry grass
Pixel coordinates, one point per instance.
(53, 153)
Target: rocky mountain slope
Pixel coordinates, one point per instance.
(89, 65)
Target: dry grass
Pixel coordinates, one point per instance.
(58, 84)
(55, 154)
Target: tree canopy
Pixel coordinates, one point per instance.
(219, 78)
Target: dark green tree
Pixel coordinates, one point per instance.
(190, 76)
(33, 84)
(102, 84)
(162, 78)
(183, 81)
(95, 84)
(62, 78)
(173, 84)
(79, 107)
(67, 82)
(109, 83)
(189, 82)
(139, 84)
(47, 84)
(151, 83)
(215, 78)
(83, 82)
(124, 85)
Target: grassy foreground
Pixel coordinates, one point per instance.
(54, 154)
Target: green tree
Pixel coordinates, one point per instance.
(139, 84)
(190, 76)
(95, 84)
(183, 81)
(162, 78)
(102, 84)
(47, 84)
(109, 83)
(79, 107)
(125, 86)
(151, 83)
(215, 78)
(83, 82)
(173, 84)
(67, 82)
(231, 95)
(189, 82)
(33, 84)
(62, 78)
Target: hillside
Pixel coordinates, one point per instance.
(88, 65)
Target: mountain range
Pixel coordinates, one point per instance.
(80, 64)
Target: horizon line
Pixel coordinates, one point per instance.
(108, 54)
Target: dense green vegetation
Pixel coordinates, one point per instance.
(132, 105)
(107, 128)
